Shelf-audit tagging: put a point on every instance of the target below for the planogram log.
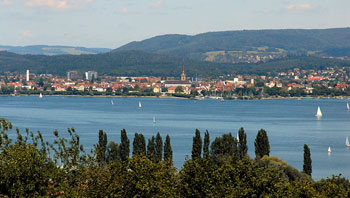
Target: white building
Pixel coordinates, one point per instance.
(27, 76)
(90, 74)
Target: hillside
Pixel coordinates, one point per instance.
(138, 63)
(238, 46)
(52, 50)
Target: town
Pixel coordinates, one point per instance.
(328, 82)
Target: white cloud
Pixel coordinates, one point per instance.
(298, 7)
(158, 4)
(6, 2)
(58, 4)
(124, 10)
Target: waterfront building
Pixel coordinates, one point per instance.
(183, 74)
(27, 75)
(72, 75)
(90, 74)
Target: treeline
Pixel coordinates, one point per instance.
(138, 63)
(33, 167)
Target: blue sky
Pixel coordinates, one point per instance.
(112, 23)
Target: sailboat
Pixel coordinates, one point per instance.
(347, 106)
(319, 113)
(154, 120)
(112, 102)
(140, 106)
(347, 142)
(329, 150)
(237, 137)
(41, 95)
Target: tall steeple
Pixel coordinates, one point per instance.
(183, 74)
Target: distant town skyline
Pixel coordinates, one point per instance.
(112, 23)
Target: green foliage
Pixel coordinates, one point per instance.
(262, 145)
(124, 146)
(242, 143)
(197, 145)
(113, 152)
(101, 147)
(307, 167)
(158, 148)
(139, 145)
(168, 151)
(151, 149)
(206, 144)
(224, 148)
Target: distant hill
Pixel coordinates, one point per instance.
(138, 63)
(52, 50)
(238, 46)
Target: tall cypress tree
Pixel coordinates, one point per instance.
(135, 145)
(142, 145)
(124, 146)
(101, 147)
(242, 144)
(262, 145)
(158, 148)
(197, 145)
(307, 167)
(206, 144)
(168, 152)
(151, 149)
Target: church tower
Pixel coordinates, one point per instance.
(183, 74)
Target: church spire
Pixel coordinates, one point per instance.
(183, 74)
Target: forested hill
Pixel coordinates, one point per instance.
(138, 63)
(320, 41)
(52, 50)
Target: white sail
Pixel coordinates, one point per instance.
(347, 106)
(140, 104)
(237, 137)
(41, 95)
(347, 142)
(154, 119)
(112, 102)
(319, 113)
(329, 150)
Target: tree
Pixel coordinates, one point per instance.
(139, 145)
(135, 144)
(168, 152)
(151, 149)
(206, 144)
(307, 167)
(224, 148)
(262, 145)
(242, 143)
(124, 146)
(197, 145)
(112, 153)
(101, 147)
(158, 148)
(178, 89)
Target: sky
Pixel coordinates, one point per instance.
(113, 23)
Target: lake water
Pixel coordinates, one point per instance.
(289, 123)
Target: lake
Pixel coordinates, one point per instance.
(289, 123)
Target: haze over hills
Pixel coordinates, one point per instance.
(238, 46)
(52, 50)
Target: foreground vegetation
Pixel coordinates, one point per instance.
(32, 167)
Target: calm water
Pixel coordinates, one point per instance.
(290, 123)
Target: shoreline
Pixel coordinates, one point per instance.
(174, 97)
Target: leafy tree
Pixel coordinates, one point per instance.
(178, 89)
(224, 148)
(112, 153)
(307, 167)
(151, 149)
(262, 145)
(242, 143)
(158, 148)
(124, 146)
(197, 145)
(139, 145)
(168, 152)
(206, 145)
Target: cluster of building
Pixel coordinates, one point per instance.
(306, 80)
